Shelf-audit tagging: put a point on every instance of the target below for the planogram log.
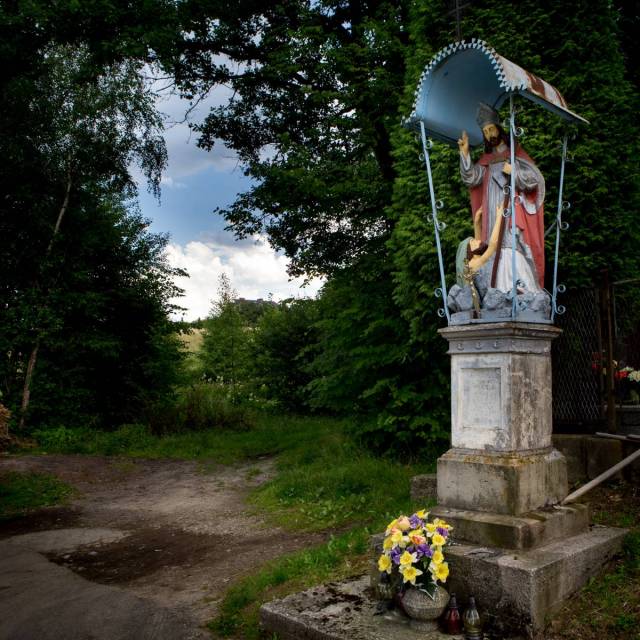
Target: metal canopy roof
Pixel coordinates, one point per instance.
(464, 74)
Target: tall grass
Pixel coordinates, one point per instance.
(20, 492)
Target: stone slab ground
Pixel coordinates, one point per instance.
(520, 588)
(338, 611)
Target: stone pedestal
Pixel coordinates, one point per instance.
(501, 483)
(502, 460)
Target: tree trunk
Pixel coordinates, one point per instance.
(26, 389)
(5, 414)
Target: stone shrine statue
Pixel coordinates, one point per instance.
(484, 262)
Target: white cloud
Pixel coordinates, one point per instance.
(185, 158)
(168, 181)
(255, 270)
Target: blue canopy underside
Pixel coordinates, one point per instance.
(465, 74)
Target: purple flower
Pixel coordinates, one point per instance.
(395, 556)
(415, 521)
(443, 532)
(424, 550)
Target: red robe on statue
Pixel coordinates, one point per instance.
(530, 224)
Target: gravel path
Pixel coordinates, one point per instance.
(173, 534)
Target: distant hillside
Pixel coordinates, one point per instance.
(192, 341)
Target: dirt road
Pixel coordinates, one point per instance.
(172, 533)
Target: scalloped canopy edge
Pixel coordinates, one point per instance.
(462, 75)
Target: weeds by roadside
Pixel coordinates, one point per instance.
(270, 435)
(342, 556)
(20, 492)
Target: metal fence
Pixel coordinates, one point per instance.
(601, 337)
(576, 356)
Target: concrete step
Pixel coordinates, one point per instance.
(527, 531)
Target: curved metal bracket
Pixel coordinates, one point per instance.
(437, 226)
(560, 226)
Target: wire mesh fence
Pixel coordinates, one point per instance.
(591, 359)
(577, 364)
(626, 307)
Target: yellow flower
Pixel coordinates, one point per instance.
(422, 514)
(437, 557)
(384, 563)
(391, 525)
(430, 527)
(409, 574)
(396, 536)
(438, 540)
(387, 544)
(407, 558)
(442, 572)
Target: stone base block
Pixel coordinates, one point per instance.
(339, 611)
(530, 530)
(424, 487)
(573, 448)
(522, 589)
(602, 454)
(510, 484)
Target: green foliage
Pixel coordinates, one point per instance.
(109, 353)
(269, 435)
(204, 406)
(282, 349)
(334, 485)
(364, 364)
(20, 492)
(227, 340)
(319, 88)
(126, 439)
(84, 285)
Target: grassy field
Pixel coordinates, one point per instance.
(21, 492)
(192, 341)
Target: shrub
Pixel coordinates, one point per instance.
(209, 405)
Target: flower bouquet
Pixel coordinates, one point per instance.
(629, 384)
(412, 553)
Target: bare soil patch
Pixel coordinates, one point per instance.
(190, 531)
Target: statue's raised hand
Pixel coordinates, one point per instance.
(463, 144)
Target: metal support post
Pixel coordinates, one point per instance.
(512, 196)
(437, 226)
(560, 226)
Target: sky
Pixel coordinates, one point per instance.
(193, 185)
